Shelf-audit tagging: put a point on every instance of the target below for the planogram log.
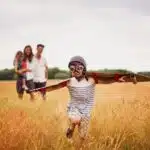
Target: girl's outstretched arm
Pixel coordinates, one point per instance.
(52, 87)
(112, 77)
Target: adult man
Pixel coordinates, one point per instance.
(40, 70)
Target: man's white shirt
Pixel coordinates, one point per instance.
(39, 69)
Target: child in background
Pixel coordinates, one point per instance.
(19, 64)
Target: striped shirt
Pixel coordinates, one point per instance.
(82, 95)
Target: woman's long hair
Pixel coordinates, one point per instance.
(28, 57)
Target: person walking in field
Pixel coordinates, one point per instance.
(20, 69)
(28, 60)
(81, 87)
(40, 70)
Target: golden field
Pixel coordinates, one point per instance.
(120, 119)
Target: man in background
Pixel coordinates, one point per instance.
(40, 70)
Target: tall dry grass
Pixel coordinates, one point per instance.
(120, 120)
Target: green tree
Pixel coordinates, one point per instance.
(52, 72)
(61, 75)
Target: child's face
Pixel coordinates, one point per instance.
(76, 69)
(19, 56)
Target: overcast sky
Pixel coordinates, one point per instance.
(107, 33)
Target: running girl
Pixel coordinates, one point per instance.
(81, 87)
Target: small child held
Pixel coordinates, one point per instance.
(20, 64)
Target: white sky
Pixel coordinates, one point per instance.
(107, 33)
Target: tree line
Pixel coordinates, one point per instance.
(57, 73)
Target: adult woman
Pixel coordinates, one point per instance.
(28, 59)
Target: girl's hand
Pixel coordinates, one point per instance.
(122, 79)
(125, 79)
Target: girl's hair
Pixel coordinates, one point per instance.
(17, 54)
(85, 74)
(29, 57)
